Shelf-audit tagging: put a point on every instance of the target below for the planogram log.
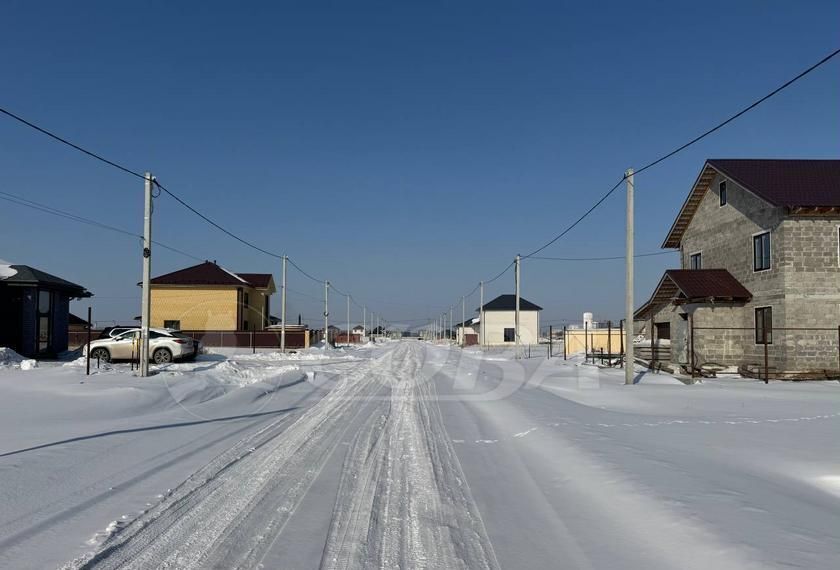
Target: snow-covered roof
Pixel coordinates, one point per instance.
(6, 269)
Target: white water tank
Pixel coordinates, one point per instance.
(587, 320)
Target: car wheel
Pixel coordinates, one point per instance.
(100, 354)
(162, 356)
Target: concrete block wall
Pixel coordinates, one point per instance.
(802, 286)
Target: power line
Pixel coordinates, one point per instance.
(214, 224)
(617, 257)
(73, 217)
(505, 270)
(576, 222)
(296, 266)
(70, 144)
(127, 170)
(743, 111)
(680, 148)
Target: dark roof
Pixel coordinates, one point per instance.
(74, 320)
(258, 280)
(27, 275)
(471, 321)
(695, 285)
(788, 183)
(508, 303)
(791, 183)
(708, 284)
(209, 273)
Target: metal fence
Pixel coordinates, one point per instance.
(227, 339)
(776, 353)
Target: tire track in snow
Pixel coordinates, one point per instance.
(229, 513)
(403, 501)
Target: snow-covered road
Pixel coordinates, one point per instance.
(411, 455)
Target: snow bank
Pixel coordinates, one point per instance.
(309, 354)
(11, 359)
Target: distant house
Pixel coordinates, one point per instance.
(759, 244)
(209, 297)
(35, 309)
(500, 321)
(76, 324)
(359, 330)
(466, 333)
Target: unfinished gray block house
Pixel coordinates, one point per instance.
(759, 244)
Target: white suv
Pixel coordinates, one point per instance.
(165, 345)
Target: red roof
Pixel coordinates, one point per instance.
(694, 285)
(789, 183)
(784, 182)
(209, 273)
(258, 280)
(708, 284)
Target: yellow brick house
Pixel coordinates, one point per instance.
(208, 297)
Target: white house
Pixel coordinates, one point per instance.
(500, 318)
(468, 330)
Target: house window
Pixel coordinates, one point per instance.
(245, 325)
(510, 335)
(764, 325)
(246, 301)
(695, 261)
(44, 304)
(663, 331)
(761, 251)
(722, 188)
(176, 325)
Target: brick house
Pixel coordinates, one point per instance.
(209, 297)
(759, 244)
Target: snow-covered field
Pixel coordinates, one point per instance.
(411, 455)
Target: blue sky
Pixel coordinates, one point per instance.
(403, 150)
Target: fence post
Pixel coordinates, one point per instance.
(691, 346)
(551, 339)
(586, 341)
(90, 325)
(609, 339)
(253, 344)
(766, 359)
(621, 343)
(565, 352)
(652, 343)
(838, 346)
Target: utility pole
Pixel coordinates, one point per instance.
(481, 312)
(364, 320)
(146, 300)
(283, 308)
(327, 314)
(516, 314)
(629, 358)
(450, 325)
(445, 330)
(463, 320)
(348, 319)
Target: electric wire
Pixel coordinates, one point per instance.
(73, 217)
(617, 257)
(682, 147)
(651, 164)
